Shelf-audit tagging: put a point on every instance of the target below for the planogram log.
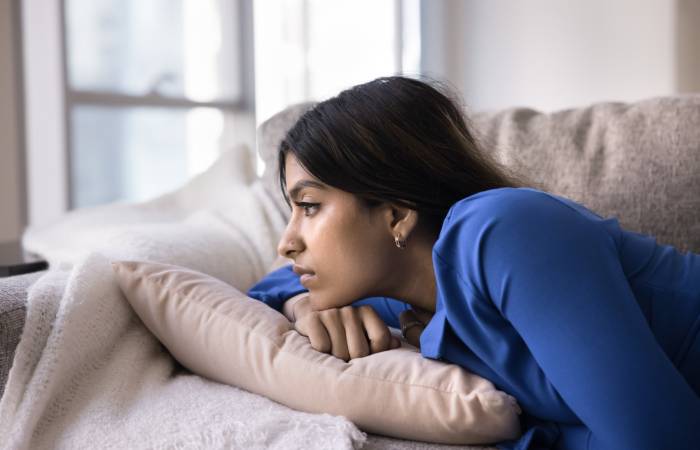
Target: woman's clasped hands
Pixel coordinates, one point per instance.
(348, 332)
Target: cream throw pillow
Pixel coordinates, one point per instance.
(218, 332)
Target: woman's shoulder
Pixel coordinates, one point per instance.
(495, 203)
(508, 223)
(511, 209)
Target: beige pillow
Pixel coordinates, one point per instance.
(218, 332)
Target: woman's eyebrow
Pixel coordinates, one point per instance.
(302, 184)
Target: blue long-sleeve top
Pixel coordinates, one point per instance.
(593, 328)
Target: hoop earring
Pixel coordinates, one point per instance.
(400, 243)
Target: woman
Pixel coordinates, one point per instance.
(393, 201)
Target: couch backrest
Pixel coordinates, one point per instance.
(270, 134)
(638, 162)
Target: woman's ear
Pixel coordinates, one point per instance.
(402, 220)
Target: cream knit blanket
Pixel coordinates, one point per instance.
(88, 374)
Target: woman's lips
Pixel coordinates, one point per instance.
(305, 278)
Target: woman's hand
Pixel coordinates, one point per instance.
(347, 333)
(416, 320)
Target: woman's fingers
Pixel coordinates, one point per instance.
(358, 346)
(348, 332)
(339, 344)
(378, 333)
(422, 314)
(312, 327)
(412, 333)
(406, 316)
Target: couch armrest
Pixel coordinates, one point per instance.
(13, 308)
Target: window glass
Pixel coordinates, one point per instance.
(134, 154)
(350, 42)
(312, 49)
(175, 48)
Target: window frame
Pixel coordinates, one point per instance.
(50, 99)
(81, 97)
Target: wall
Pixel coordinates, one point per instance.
(687, 19)
(553, 54)
(12, 195)
(47, 173)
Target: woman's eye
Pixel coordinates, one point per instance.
(307, 207)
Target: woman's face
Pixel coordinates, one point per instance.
(348, 248)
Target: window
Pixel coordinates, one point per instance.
(151, 88)
(126, 99)
(313, 49)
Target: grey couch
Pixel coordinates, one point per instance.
(13, 299)
(639, 162)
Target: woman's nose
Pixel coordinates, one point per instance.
(288, 246)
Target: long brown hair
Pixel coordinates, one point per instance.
(399, 140)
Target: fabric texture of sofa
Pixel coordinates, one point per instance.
(635, 161)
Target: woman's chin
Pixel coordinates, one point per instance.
(312, 301)
(317, 303)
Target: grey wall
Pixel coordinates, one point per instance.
(12, 194)
(553, 54)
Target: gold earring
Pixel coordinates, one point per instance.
(400, 243)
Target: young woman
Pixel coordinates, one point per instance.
(399, 217)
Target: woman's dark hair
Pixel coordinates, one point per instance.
(398, 140)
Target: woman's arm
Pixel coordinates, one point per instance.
(555, 275)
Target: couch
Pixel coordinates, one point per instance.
(637, 161)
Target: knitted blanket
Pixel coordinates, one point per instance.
(88, 374)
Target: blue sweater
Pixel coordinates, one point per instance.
(593, 328)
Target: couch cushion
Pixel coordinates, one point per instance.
(218, 332)
(270, 135)
(639, 162)
(13, 311)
